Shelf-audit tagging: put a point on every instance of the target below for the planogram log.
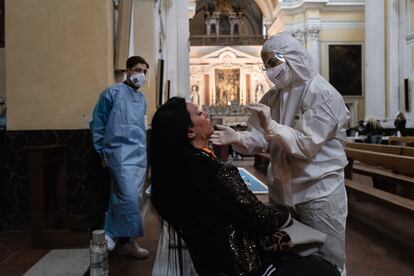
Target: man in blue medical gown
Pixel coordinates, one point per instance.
(119, 136)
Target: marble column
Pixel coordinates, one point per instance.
(312, 45)
(242, 87)
(392, 58)
(405, 58)
(374, 59)
(177, 47)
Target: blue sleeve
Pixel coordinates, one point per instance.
(99, 120)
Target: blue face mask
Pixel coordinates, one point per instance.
(137, 79)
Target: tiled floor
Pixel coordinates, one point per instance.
(15, 255)
(368, 253)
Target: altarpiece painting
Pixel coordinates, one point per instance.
(227, 86)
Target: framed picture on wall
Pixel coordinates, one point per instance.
(227, 86)
(345, 68)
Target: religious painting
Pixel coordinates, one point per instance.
(227, 86)
(345, 69)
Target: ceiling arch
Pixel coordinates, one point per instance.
(267, 7)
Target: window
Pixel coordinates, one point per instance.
(236, 29)
(213, 29)
(224, 25)
(345, 69)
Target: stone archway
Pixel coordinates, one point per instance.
(267, 7)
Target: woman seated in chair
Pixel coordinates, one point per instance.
(226, 229)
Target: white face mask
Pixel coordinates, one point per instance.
(279, 75)
(137, 79)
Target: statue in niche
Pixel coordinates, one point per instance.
(259, 92)
(195, 96)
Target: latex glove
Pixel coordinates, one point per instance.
(263, 112)
(224, 135)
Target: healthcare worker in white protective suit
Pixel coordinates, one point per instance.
(301, 121)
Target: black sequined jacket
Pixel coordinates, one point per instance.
(226, 222)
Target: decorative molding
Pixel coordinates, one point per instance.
(207, 59)
(327, 25)
(236, 53)
(300, 35)
(312, 34)
(409, 38)
(301, 4)
(342, 25)
(295, 7)
(303, 35)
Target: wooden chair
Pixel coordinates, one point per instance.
(50, 222)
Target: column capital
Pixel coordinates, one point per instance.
(116, 4)
(299, 34)
(312, 33)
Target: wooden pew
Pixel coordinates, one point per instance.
(408, 151)
(406, 140)
(389, 172)
(392, 149)
(401, 164)
(381, 206)
(404, 204)
(375, 147)
(386, 213)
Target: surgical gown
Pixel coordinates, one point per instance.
(119, 136)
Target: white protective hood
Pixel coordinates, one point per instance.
(294, 53)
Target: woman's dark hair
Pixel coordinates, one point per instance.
(170, 148)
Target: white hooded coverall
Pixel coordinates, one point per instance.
(306, 146)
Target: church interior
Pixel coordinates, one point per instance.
(56, 57)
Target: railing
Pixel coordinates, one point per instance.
(225, 40)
